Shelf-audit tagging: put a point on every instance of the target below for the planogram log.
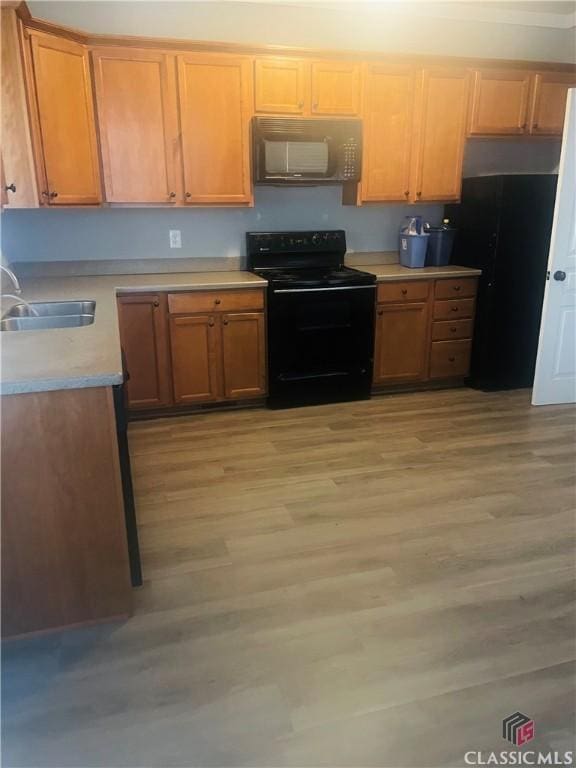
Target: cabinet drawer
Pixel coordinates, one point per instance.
(449, 358)
(448, 310)
(448, 329)
(216, 301)
(460, 288)
(409, 290)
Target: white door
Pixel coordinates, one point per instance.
(555, 379)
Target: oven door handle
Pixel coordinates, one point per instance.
(323, 290)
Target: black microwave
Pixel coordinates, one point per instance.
(306, 151)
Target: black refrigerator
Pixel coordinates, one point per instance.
(504, 225)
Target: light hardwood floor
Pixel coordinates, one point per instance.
(366, 584)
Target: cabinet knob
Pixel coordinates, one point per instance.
(211, 322)
(156, 303)
(217, 301)
(53, 194)
(406, 193)
(456, 287)
(380, 312)
(44, 193)
(10, 187)
(188, 194)
(224, 322)
(454, 309)
(300, 104)
(172, 194)
(452, 359)
(535, 125)
(419, 194)
(453, 329)
(404, 291)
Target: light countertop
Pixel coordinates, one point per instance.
(70, 358)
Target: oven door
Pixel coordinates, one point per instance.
(321, 344)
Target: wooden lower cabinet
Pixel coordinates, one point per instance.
(401, 343)
(244, 354)
(196, 367)
(144, 339)
(422, 333)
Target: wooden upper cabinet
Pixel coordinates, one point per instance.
(196, 364)
(215, 108)
(244, 354)
(280, 85)
(144, 339)
(442, 106)
(499, 103)
(137, 120)
(17, 155)
(67, 157)
(335, 88)
(548, 104)
(388, 116)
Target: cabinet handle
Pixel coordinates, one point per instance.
(211, 322)
(224, 322)
(535, 125)
(404, 291)
(188, 194)
(45, 193)
(406, 193)
(172, 194)
(419, 194)
(217, 301)
(10, 187)
(454, 309)
(456, 287)
(380, 312)
(53, 194)
(451, 359)
(453, 329)
(156, 303)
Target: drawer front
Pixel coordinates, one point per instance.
(461, 288)
(216, 301)
(409, 290)
(453, 310)
(450, 359)
(444, 330)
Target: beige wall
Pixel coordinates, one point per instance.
(360, 26)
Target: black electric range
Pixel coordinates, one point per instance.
(320, 317)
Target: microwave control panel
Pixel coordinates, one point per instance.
(350, 160)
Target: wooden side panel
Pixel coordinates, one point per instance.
(137, 120)
(244, 354)
(64, 551)
(144, 339)
(17, 152)
(548, 105)
(499, 102)
(196, 358)
(215, 108)
(335, 88)
(441, 125)
(281, 85)
(388, 112)
(401, 350)
(66, 117)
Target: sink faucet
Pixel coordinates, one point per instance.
(16, 285)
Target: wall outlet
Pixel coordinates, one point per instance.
(175, 238)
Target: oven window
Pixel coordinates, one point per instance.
(296, 157)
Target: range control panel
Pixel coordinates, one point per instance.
(316, 241)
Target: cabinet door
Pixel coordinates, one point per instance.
(549, 102)
(335, 88)
(66, 121)
(388, 114)
(137, 120)
(244, 354)
(16, 138)
(144, 339)
(499, 102)
(401, 343)
(215, 98)
(440, 134)
(196, 356)
(280, 85)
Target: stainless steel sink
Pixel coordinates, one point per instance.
(39, 315)
(39, 323)
(52, 309)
